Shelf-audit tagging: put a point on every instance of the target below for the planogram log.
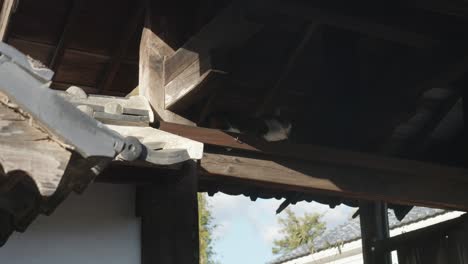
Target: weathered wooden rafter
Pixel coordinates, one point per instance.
(28, 149)
(72, 17)
(288, 68)
(306, 168)
(350, 182)
(349, 21)
(8, 9)
(32, 170)
(191, 66)
(121, 50)
(172, 79)
(153, 53)
(195, 61)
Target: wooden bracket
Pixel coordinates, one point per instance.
(153, 52)
(171, 80)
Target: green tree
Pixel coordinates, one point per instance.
(206, 226)
(298, 231)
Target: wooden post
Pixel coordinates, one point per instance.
(8, 8)
(169, 220)
(374, 226)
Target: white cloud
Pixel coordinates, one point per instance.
(271, 233)
(261, 214)
(221, 229)
(224, 210)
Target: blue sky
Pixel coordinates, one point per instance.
(246, 230)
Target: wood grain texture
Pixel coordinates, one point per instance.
(192, 65)
(153, 52)
(37, 172)
(344, 181)
(65, 36)
(314, 168)
(149, 136)
(188, 86)
(7, 11)
(121, 50)
(315, 153)
(212, 36)
(28, 149)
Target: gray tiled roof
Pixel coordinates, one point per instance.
(351, 231)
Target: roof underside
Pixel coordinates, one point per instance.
(351, 85)
(355, 76)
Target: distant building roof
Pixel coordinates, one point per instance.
(351, 231)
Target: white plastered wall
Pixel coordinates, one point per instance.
(97, 227)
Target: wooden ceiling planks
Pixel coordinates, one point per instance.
(120, 50)
(37, 50)
(76, 40)
(39, 21)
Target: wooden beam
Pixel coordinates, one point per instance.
(190, 85)
(72, 17)
(8, 8)
(25, 148)
(169, 220)
(335, 179)
(262, 176)
(194, 63)
(153, 53)
(28, 45)
(352, 22)
(309, 168)
(314, 153)
(280, 83)
(121, 50)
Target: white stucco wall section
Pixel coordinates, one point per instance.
(94, 228)
(351, 253)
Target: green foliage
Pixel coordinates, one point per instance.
(206, 226)
(298, 231)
